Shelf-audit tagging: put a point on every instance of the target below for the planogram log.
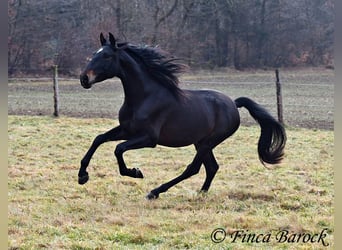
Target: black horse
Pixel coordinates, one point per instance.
(156, 111)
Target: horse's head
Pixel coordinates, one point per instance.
(104, 64)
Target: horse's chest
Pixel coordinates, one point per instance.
(129, 122)
(134, 121)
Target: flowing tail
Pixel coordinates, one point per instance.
(273, 137)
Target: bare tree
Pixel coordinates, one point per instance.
(209, 34)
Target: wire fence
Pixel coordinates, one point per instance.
(309, 102)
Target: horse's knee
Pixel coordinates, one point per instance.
(118, 151)
(99, 139)
(212, 170)
(192, 169)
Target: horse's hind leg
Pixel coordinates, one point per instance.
(211, 168)
(191, 170)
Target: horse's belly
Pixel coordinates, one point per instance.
(169, 141)
(183, 133)
(175, 142)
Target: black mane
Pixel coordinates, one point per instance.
(159, 65)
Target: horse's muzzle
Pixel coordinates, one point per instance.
(84, 79)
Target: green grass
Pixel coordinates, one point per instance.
(48, 210)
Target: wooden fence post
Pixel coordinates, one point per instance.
(279, 98)
(55, 91)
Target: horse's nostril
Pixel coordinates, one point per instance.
(84, 79)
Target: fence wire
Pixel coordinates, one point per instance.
(307, 103)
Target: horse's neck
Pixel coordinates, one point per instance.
(137, 84)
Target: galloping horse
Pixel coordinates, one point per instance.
(157, 111)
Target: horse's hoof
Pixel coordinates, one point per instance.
(83, 179)
(138, 173)
(152, 196)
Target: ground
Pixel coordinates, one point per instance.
(48, 209)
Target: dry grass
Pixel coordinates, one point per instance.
(49, 210)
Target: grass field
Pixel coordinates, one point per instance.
(49, 210)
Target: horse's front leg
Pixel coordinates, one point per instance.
(112, 135)
(134, 143)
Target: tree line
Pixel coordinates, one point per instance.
(204, 33)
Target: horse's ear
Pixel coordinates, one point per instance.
(102, 39)
(112, 40)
